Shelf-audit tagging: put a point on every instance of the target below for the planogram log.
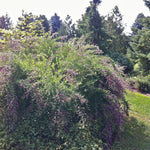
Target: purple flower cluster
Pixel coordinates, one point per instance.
(59, 119)
(11, 108)
(114, 85)
(108, 135)
(70, 75)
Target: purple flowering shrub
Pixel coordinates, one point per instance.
(57, 94)
(104, 89)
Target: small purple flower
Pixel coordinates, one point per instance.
(3, 70)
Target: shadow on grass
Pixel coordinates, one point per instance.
(135, 135)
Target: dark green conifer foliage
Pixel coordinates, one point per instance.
(140, 44)
(118, 41)
(67, 28)
(147, 3)
(55, 23)
(91, 26)
(96, 2)
(45, 22)
(5, 22)
(138, 25)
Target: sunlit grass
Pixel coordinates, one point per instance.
(135, 134)
(139, 103)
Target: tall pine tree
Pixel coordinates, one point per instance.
(118, 41)
(55, 23)
(45, 22)
(67, 28)
(138, 25)
(91, 26)
(5, 22)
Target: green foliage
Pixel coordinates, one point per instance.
(29, 28)
(55, 23)
(57, 94)
(138, 25)
(30, 24)
(123, 61)
(147, 3)
(138, 68)
(118, 41)
(67, 28)
(143, 84)
(140, 45)
(45, 22)
(5, 22)
(91, 27)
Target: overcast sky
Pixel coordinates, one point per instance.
(75, 8)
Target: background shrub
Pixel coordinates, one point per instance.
(122, 60)
(143, 84)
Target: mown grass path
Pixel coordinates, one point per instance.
(135, 134)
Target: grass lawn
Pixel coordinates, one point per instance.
(135, 134)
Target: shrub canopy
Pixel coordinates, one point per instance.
(55, 91)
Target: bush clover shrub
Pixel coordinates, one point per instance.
(59, 95)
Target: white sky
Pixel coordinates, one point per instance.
(75, 8)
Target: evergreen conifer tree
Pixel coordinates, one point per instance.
(67, 28)
(138, 25)
(91, 26)
(55, 23)
(147, 3)
(115, 29)
(45, 22)
(5, 22)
